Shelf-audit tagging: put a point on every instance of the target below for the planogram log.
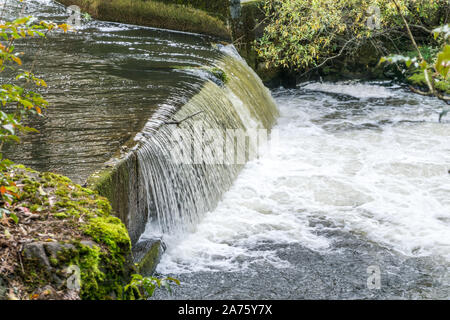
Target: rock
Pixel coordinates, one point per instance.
(89, 243)
(35, 252)
(53, 249)
(146, 254)
(58, 282)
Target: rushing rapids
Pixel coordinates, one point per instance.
(358, 179)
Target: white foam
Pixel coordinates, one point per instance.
(390, 185)
(358, 90)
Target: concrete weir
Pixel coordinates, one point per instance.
(155, 194)
(118, 181)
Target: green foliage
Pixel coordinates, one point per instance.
(302, 34)
(436, 61)
(430, 71)
(433, 72)
(141, 287)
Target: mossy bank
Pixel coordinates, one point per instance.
(63, 242)
(174, 15)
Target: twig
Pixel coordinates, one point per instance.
(421, 27)
(425, 72)
(20, 261)
(418, 91)
(430, 83)
(180, 121)
(429, 93)
(329, 58)
(408, 29)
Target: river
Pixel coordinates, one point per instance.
(357, 179)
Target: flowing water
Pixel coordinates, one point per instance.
(186, 168)
(357, 177)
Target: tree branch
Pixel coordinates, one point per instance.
(430, 82)
(180, 121)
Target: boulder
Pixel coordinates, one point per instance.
(54, 249)
(146, 254)
(35, 253)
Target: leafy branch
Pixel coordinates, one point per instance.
(435, 71)
(141, 287)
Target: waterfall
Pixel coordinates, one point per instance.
(185, 168)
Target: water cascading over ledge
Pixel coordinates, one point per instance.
(172, 177)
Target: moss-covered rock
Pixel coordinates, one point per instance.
(147, 254)
(63, 227)
(118, 182)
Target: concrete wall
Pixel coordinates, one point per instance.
(118, 181)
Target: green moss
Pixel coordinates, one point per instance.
(113, 183)
(102, 182)
(215, 72)
(110, 231)
(89, 261)
(104, 208)
(53, 261)
(76, 194)
(418, 80)
(148, 263)
(102, 265)
(62, 192)
(102, 273)
(61, 215)
(219, 74)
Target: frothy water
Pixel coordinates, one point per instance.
(368, 160)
